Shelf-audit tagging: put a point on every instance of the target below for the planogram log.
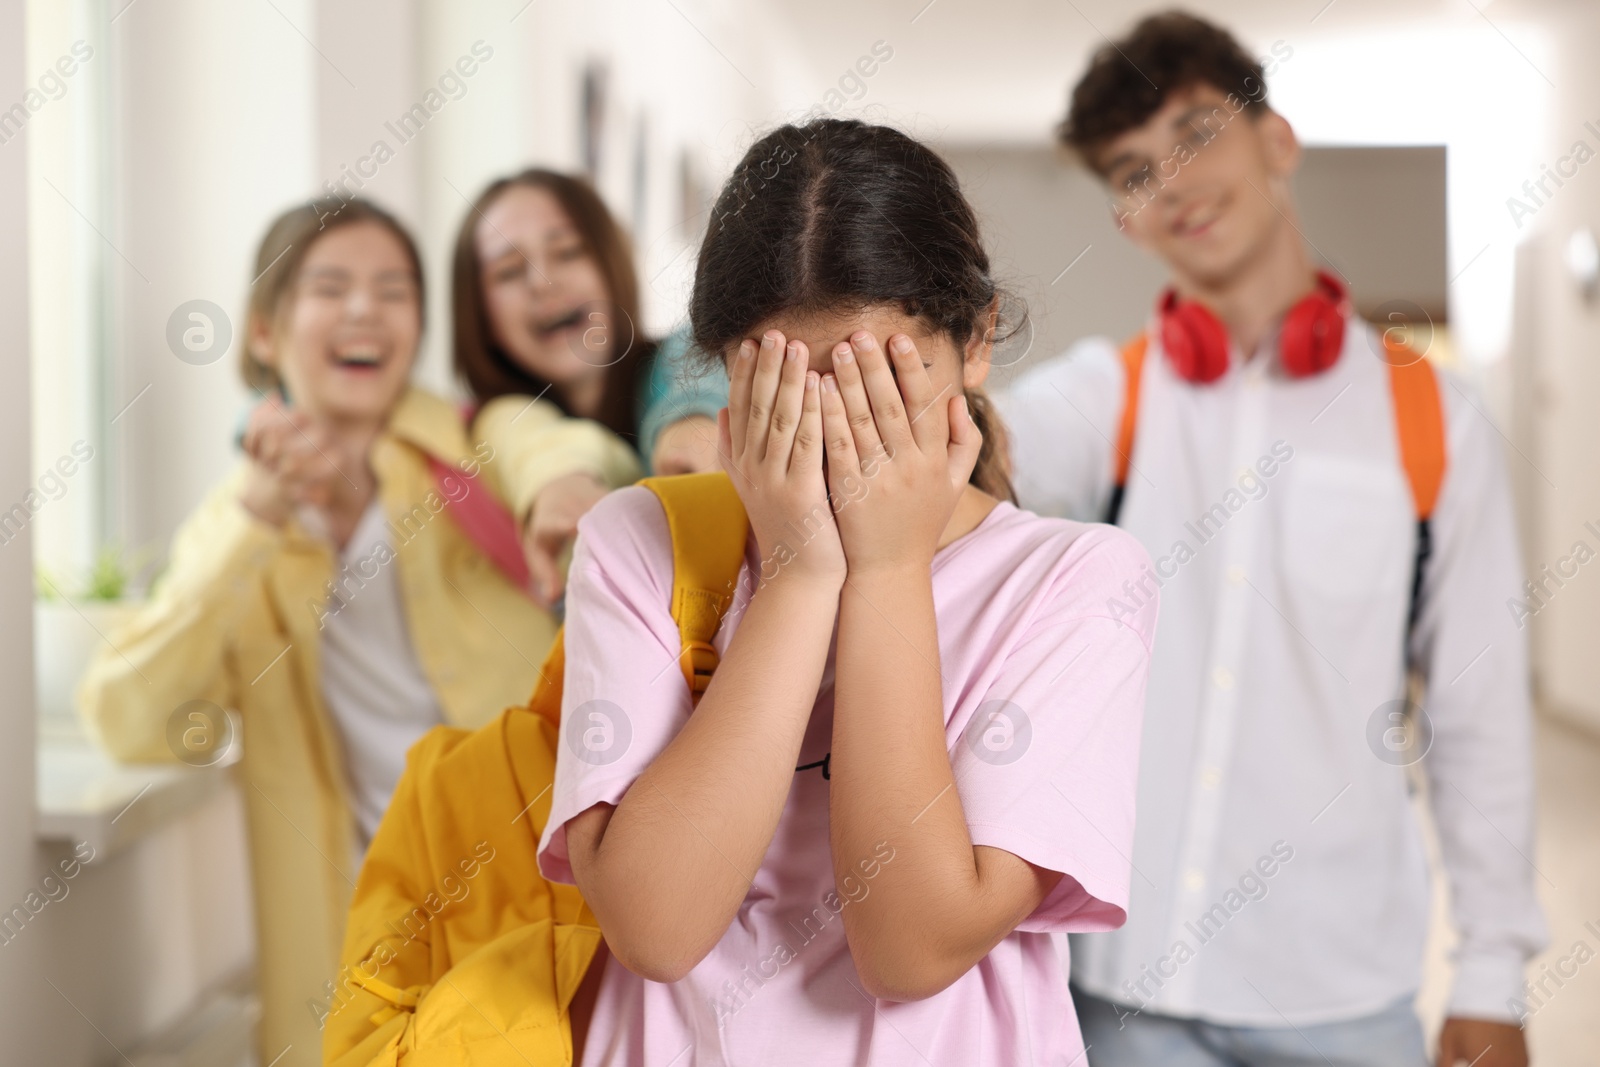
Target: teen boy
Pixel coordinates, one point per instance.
(1277, 457)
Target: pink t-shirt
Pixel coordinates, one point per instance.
(1044, 680)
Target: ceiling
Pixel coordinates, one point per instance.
(999, 70)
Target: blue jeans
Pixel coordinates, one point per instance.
(1118, 1038)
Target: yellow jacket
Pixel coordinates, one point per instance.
(235, 621)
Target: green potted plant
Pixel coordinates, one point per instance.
(73, 619)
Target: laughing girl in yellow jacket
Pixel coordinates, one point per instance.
(344, 590)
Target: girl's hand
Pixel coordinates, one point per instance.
(551, 526)
(291, 462)
(770, 437)
(899, 456)
(687, 446)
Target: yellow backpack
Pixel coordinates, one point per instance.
(457, 951)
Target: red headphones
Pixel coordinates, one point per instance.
(1313, 333)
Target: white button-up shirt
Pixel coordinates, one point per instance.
(1279, 873)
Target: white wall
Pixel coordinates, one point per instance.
(216, 132)
(1562, 365)
(25, 1002)
(365, 76)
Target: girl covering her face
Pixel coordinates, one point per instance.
(916, 759)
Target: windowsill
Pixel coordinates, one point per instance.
(83, 795)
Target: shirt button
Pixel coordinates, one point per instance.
(1194, 881)
(1211, 778)
(1236, 574)
(1223, 678)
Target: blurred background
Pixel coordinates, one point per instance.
(1444, 178)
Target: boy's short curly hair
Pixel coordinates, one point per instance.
(1129, 80)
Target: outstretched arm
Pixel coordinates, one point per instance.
(550, 469)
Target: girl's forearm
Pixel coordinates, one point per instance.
(668, 872)
(924, 920)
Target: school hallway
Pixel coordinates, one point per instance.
(1443, 175)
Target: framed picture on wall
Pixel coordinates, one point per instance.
(592, 99)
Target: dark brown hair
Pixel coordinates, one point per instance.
(283, 249)
(1129, 80)
(838, 214)
(488, 369)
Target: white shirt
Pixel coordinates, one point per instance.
(379, 698)
(1280, 876)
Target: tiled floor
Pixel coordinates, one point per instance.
(1564, 1031)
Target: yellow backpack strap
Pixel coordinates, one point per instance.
(1133, 372)
(1419, 427)
(709, 529)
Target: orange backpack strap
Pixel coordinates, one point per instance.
(1419, 426)
(709, 529)
(1419, 421)
(1133, 373)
